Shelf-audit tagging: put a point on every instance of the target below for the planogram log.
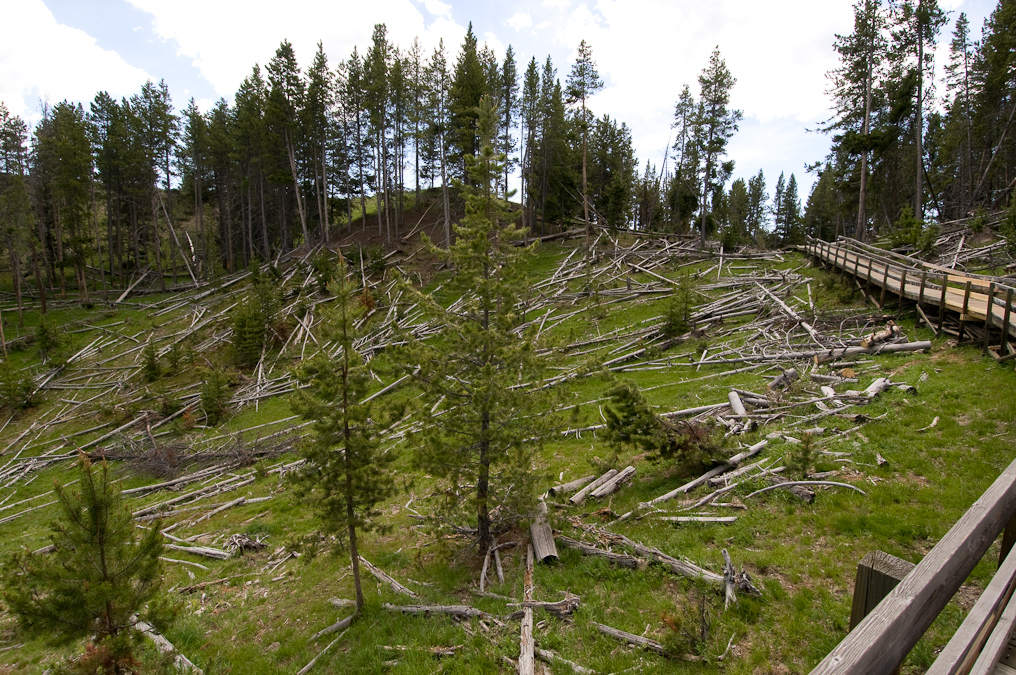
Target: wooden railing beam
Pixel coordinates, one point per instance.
(885, 637)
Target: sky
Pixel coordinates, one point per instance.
(780, 51)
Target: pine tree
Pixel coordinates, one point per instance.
(530, 119)
(854, 85)
(717, 124)
(918, 24)
(439, 86)
(584, 81)
(468, 86)
(757, 199)
(102, 577)
(483, 419)
(347, 473)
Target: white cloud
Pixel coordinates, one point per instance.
(520, 20)
(256, 28)
(438, 8)
(42, 59)
(496, 46)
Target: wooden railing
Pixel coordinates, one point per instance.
(977, 299)
(878, 645)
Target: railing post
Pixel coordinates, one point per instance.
(885, 283)
(941, 303)
(877, 574)
(1005, 321)
(988, 315)
(924, 280)
(903, 290)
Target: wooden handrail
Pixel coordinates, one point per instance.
(884, 638)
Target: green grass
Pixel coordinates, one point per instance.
(803, 557)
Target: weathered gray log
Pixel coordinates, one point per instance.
(463, 611)
(825, 355)
(637, 640)
(712, 473)
(877, 387)
(803, 493)
(793, 483)
(384, 578)
(676, 566)
(890, 332)
(572, 486)
(699, 519)
(729, 575)
(784, 379)
(615, 483)
(552, 658)
(562, 609)
(527, 660)
(736, 406)
(306, 669)
(205, 551)
(542, 536)
(620, 559)
(580, 496)
(335, 627)
(166, 647)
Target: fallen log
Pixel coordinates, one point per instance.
(630, 638)
(825, 355)
(205, 551)
(682, 567)
(580, 496)
(890, 332)
(699, 519)
(736, 406)
(802, 492)
(384, 578)
(615, 483)
(337, 626)
(461, 611)
(527, 661)
(807, 482)
(562, 609)
(306, 668)
(568, 488)
(712, 473)
(552, 658)
(620, 559)
(166, 647)
(784, 379)
(542, 536)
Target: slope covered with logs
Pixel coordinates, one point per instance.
(802, 385)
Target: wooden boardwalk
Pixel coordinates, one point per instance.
(981, 301)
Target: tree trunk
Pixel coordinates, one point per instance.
(919, 127)
(296, 187)
(157, 243)
(483, 487)
(444, 197)
(862, 216)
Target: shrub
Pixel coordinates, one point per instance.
(677, 319)
(215, 396)
(16, 387)
(151, 368)
(66, 595)
(632, 423)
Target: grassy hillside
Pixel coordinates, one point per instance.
(257, 611)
